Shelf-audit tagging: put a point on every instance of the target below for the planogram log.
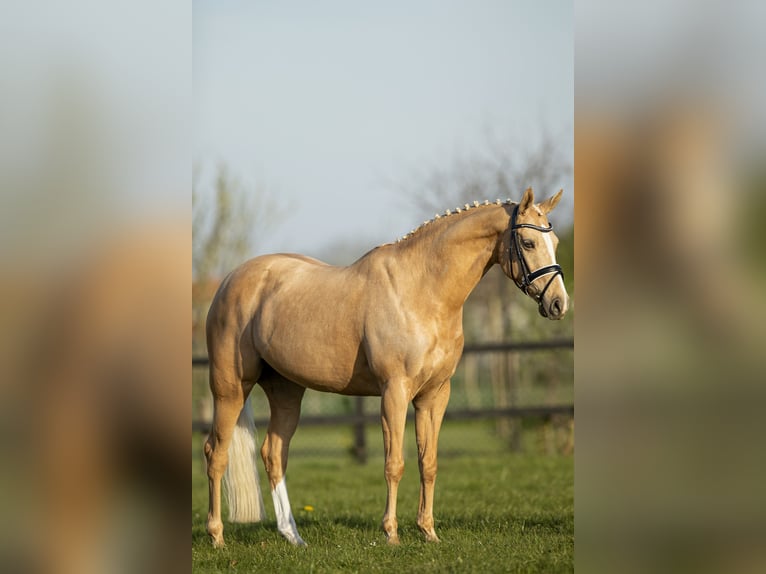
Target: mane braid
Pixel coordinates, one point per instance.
(449, 212)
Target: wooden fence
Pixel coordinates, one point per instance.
(359, 418)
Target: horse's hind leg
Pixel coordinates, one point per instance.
(229, 398)
(285, 403)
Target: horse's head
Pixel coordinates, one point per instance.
(528, 255)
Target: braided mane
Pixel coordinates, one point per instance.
(452, 212)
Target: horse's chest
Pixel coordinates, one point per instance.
(443, 358)
(420, 353)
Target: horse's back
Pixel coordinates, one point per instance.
(260, 279)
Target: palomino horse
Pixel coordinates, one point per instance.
(389, 325)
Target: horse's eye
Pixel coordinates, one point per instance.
(528, 244)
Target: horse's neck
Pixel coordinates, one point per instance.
(451, 258)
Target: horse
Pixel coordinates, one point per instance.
(388, 325)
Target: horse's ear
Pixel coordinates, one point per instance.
(548, 205)
(527, 200)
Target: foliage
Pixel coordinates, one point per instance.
(495, 512)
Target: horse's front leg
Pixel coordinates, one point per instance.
(429, 412)
(393, 407)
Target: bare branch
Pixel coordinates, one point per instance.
(226, 227)
(498, 171)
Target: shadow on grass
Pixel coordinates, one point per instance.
(363, 528)
(239, 533)
(361, 523)
(248, 533)
(560, 524)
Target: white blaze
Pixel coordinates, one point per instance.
(552, 252)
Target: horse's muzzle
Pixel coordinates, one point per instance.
(555, 310)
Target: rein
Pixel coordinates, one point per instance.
(527, 277)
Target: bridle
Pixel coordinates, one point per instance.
(527, 277)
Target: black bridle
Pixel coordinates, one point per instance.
(527, 277)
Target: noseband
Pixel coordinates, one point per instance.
(527, 277)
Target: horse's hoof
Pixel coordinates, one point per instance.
(392, 540)
(428, 532)
(215, 531)
(293, 538)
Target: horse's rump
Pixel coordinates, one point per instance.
(304, 318)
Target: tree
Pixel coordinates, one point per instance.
(503, 169)
(226, 227)
(227, 221)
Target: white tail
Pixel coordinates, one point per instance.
(243, 490)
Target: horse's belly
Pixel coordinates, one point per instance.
(320, 378)
(357, 386)
(334, 368)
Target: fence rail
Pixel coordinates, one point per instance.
(358, 419)
(462, 414)
(476, 348)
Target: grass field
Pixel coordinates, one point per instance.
(495, 511)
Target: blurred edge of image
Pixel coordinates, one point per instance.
(670, 135)
(95, 173)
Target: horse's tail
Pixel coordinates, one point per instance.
(243, 490)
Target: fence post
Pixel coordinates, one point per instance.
(360, 440)
(514, 380)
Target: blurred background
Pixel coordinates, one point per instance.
(670, 132)
(338, 112)
(338, 128)
(95, 251)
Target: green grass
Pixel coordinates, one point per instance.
(495, 511)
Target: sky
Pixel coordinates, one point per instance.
(324, 105)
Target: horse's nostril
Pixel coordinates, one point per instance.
(556, 307)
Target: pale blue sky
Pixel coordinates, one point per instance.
(324, 103)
